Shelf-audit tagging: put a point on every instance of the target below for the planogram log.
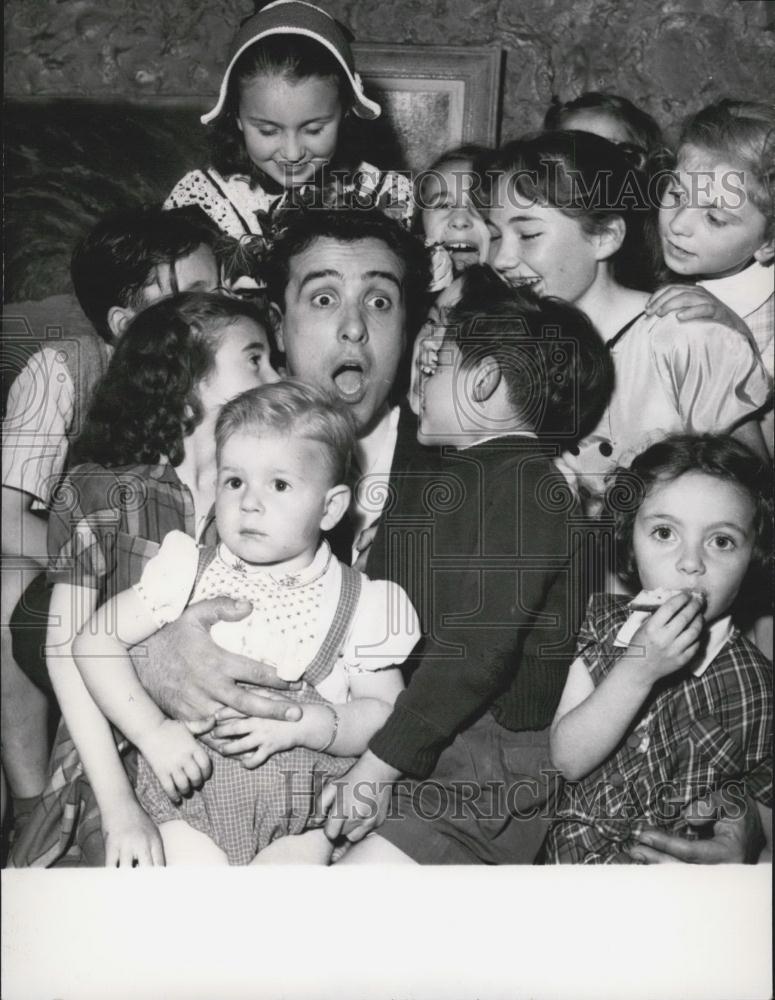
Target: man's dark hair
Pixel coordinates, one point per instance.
(303, 227)
(114, 263)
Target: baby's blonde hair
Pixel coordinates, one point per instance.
(291, 407)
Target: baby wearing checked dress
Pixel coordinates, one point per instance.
(282, 458)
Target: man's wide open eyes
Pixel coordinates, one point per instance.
(323, 299)
(381, 302)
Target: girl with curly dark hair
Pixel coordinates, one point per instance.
(167, 375)
(148, 454)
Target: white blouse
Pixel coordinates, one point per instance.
(671, 377)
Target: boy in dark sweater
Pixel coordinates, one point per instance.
(500, 593)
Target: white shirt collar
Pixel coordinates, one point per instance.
(745, 291)
(375, 460)
(719, 634)
(375, 451)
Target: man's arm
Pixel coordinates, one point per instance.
(736, 839)
(190, 677)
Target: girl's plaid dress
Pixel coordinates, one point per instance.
(694, 735)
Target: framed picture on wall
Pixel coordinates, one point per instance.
(432, 96)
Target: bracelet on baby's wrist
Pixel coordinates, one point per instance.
(334, 730)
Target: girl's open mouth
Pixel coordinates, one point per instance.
(463, 253)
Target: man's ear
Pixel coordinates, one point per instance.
(119, 319)
(609, 239)
(487, 377)
(336, 504)
(276, 315)
(766, 252)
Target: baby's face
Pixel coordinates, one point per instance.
(695, 532)
(708, 225)
(449, 216)
(273, 498)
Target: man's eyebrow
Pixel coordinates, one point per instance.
(314, 275)
(386, 276)
(332, 273)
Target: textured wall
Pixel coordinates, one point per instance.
(671, 56)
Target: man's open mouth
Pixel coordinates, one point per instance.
(350, 381)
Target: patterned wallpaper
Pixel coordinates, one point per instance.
(670, 56)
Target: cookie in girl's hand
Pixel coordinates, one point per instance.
(650, 600)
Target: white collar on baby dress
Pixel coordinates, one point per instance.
(745, 291)
(299, 578)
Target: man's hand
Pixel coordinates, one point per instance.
(735, 840)
(694, 302)
(357, 803)
(190, 677)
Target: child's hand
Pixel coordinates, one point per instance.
(669, 638)
(442, 269)
(131, 838)
(357, 803)
(694, 302)
(254, 740)
(178, 760)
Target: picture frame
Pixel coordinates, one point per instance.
(434, 97)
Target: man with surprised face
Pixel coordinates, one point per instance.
(350, 287)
